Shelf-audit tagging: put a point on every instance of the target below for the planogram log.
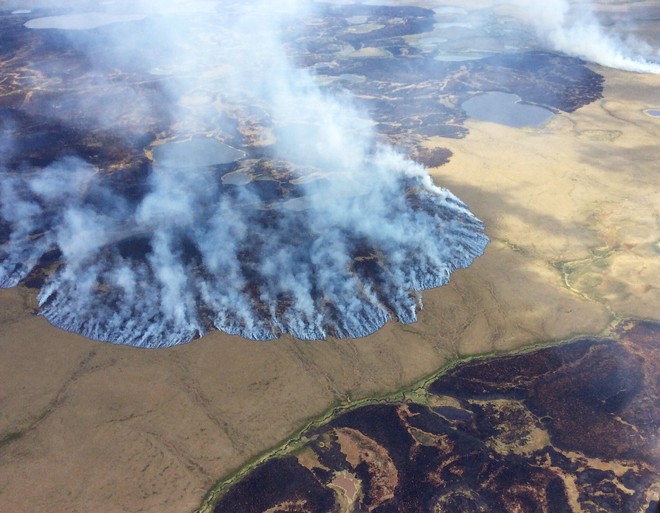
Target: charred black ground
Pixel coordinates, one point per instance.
(570, 425)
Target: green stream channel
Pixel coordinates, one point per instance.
(414, 393)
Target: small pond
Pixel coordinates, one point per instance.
(81, 21)
(505, 109)
(196, 152)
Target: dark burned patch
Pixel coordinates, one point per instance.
(392, 91)
(378, 423)
(35, 140)
(581, 390)
(281, 485)
(134, 248)
(396, 21)
(403, 106)
(431, 157)
(48, 262)
(484, 457)
(544, 78)
(38, 140)
(401, 92)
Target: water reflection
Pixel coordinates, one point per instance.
(505, 109)
(196, 152)
(81, 21)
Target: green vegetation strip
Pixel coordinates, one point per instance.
(416, 392)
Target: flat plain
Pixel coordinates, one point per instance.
(572, 209)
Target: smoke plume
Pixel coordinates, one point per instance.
(573, 28)
(329, 234)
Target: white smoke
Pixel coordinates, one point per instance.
(230, 256)
(573, 28)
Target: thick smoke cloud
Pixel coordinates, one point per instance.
(362, 231)
(573, 28)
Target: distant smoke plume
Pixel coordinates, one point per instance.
(332, 234)
(573, 28)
